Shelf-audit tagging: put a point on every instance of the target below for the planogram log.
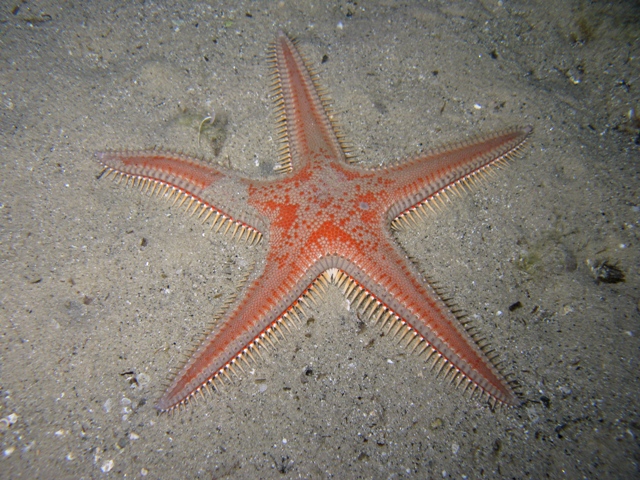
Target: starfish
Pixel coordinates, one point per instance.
(325, 221)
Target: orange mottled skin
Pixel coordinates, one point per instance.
(321, 215)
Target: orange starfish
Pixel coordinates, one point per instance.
(324, 221)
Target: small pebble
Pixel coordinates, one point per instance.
(107, 466)
(7, 421)
(436, 423)
(143, 379)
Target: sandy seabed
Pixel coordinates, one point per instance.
(103, 290)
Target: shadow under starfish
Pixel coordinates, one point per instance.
(324, 220)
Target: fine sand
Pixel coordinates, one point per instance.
(104, 291)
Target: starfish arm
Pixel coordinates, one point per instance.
(217, 193)
(276, 294)
(305, 126)
(402, 296)
(427, 175)
(272, 297)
